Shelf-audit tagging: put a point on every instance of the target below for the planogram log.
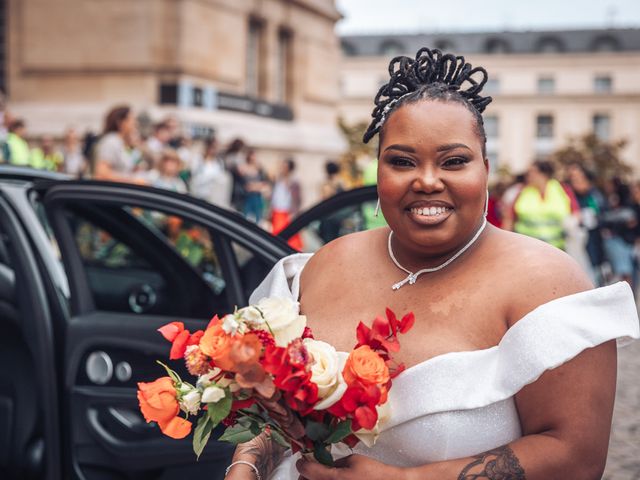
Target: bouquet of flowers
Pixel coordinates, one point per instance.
(260, 370)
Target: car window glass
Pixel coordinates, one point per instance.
(191, 240)
(253, 268)
(349, 219)
(146, 261)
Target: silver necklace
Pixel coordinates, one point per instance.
(413, 277)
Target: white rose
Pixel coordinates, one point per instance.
(369, 437)
(251, 315)
(229, 382)
(190, 402)
(230, 325)
(212, 394)
(282, 316)
(326, 372)
(206, 379)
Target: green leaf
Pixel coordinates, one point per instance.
(174, 376)
(256, 427)
(316, 431)
(277, 437)
(201, 434)
(321, 454)
(218, 411)
(342, 430)
(237, 434)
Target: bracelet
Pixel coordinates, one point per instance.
(243, 462)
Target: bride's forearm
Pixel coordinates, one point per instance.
(533, 457)
(262, 452)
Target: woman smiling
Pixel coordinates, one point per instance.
(513, 354)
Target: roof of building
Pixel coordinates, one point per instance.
(518, 42)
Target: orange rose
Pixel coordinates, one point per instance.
(365, 366)
(216, 344)
(159, 403)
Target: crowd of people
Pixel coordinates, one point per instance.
(596, 221)
(230, 177)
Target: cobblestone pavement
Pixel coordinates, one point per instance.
(623, 462)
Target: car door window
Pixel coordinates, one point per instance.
(348, 219)
(140, 260)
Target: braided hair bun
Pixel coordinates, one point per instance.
(431, 75)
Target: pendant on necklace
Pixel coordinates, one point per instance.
(411, 279)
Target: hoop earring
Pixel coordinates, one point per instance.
(377, 211)
(486, 204)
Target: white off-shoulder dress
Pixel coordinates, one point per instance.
(462, 403)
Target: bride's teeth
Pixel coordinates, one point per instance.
(432, 211)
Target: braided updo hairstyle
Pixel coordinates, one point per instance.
(431, 75)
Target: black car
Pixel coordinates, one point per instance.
(88, 272)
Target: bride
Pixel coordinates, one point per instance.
(513, 354)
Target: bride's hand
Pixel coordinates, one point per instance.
(353, 467)
(261, 452)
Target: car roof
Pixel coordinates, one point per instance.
(27, 174)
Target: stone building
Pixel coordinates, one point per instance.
(547, 85)
(262, 70)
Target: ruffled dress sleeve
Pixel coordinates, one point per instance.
(547, 337)
(283, 281)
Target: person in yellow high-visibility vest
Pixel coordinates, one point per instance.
(542, 207)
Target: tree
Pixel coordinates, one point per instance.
(601, 157)
(356, 148)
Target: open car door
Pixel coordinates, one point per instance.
(137, 258)
(346, 212)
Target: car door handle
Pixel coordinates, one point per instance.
(130, 420)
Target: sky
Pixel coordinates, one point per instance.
(396, 16)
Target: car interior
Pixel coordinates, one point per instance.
(21, 438)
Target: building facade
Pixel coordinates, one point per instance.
(262, 70)
(547, 86)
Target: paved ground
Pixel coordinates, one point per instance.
(624, 450)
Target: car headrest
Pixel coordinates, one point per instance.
(7, 284)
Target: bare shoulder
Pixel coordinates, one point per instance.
(340, 256)
(535, 273)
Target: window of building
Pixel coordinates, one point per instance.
(497, 45)
(168, 94)
(392, 47)
(492, 86)
(605, 43)
(348, 49)
(254, 62)
(283, 72)
(445, 45)
(602, 126)
(544, 126)
(546, 85)
(549, 45)
(491, 126)
(602, 84)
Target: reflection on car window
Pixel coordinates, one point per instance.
(252, 268)
(350, 219)
(146, 261)
(190, 240)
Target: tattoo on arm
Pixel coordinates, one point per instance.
(498, 464)
(266, 452)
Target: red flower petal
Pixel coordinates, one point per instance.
(407, 322)
(366, 416)
(393, 321)
(179, 345)
(171, 330)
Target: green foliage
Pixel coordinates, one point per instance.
(317, 431)
(201, 434)
(218, 411)
(322, 454)
(601, 157)
(238, 434)
(341, 431)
